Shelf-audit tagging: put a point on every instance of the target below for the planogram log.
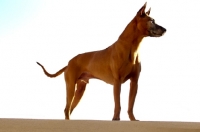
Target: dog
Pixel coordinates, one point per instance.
(113, 65)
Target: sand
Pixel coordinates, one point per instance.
(37, 125)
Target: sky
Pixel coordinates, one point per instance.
(52, 32)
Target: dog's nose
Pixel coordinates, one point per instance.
(164, 30)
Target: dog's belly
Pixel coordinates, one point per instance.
(108, 77)
(125, 72)
(85, 76)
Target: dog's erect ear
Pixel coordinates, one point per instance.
(142, 10)
(148, 12)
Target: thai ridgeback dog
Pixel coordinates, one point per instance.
(114, 65)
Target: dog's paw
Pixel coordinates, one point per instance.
(135, 120)
(116, 119)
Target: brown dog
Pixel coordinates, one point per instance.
(114, 65)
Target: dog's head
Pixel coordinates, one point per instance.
(146, 25)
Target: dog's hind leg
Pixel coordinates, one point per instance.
(78, 94)
(70, 96)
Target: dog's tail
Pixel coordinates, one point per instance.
(52, 75)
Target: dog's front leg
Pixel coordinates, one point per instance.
(132, 95)
(116, 92)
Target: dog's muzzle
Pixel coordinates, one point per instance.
(157, 31)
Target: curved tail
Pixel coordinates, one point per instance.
(52, 75)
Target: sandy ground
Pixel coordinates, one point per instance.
(35, 125)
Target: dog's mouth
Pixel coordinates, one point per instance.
(156, 33)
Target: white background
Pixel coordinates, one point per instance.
(52, 32)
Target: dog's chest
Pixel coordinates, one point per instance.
(130, 69)
(134, 58)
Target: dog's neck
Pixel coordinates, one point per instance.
(132, 37)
